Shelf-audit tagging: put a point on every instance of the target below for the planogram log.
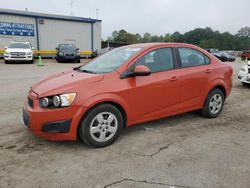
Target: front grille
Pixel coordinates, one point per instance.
(17, 53)
(30, 102)
(69, 54)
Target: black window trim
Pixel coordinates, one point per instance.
(179, 57)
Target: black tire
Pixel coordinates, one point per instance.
(246, 84)
(207, 111)
(91, 116)
(31, 62)
(78, 61)
(6, 62)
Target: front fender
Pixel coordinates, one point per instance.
(106, 97)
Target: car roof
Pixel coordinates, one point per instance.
(158, 44)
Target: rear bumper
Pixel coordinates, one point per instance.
(52, 124)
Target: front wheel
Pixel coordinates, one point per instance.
(101, 125)
(213, 104)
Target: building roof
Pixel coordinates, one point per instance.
(48, 16)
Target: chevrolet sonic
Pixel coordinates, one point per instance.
(127, 86)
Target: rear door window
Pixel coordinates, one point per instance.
(190, 57)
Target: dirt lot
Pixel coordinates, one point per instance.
(182, 151)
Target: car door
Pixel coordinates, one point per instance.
(195, 72)
(154, 95)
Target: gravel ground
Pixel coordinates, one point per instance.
(181, 151)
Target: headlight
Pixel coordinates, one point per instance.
(29, 53)
(67, 99)
(60, 53)
(45, 102)
(6, 53)
(78, 54)
(58, 101)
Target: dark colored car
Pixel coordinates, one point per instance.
(228, 57)
(245, 54)
(67, 52)
(218, 54)
(101, 51)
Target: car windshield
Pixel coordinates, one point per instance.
(19, 45)
(67, 48)
(110, 61)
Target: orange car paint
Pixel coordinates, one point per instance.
(159, 95)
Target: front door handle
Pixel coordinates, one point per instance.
(174, 78)
(208, 70)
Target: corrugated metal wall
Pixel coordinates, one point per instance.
(5, 39)
(53, 32)
(97, 35)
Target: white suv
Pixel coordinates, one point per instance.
(19, 51)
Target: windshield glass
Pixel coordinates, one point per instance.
(110, 61)
(19, 45)
(67, 48)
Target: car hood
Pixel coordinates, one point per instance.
(8, 50)
(64, 82)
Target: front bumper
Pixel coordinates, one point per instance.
(52, 124)
(244, 76)
(26, 58)
(68, 58)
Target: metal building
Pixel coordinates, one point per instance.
(46, 31)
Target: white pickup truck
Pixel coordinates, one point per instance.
(19, 51)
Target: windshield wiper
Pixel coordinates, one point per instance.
(87, 71)
(76, 68)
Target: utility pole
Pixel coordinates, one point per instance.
(97, 13)
(71, 7)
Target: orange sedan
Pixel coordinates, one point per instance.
(126, 86)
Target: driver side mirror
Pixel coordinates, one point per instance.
(140, 70)
(5, 47)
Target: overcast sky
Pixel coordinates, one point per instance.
(153, 16)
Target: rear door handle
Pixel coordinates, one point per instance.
(174, 78)
(208, 70)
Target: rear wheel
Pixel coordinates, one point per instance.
(213, 104)
(6, 62)
(101, 125)
(78, 61)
